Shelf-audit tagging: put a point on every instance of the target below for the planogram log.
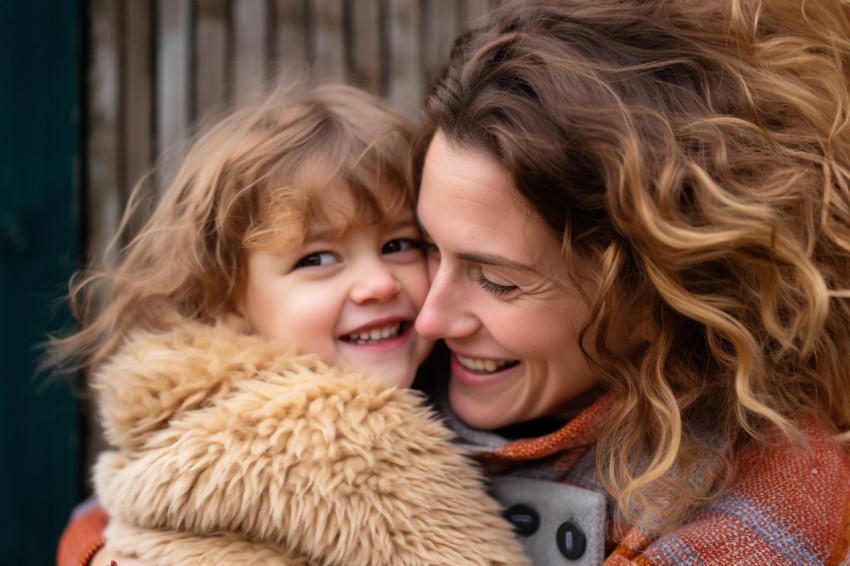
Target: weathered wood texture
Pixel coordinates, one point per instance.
(157, 67)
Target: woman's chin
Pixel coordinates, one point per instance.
(484, 413)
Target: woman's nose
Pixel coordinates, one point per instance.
(375, 283)
(445, 313)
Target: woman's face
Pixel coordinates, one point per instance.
(500, 295)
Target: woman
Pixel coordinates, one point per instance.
(640, 213)
(640, 220)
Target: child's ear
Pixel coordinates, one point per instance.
(236, 320)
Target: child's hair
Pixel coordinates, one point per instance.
(696, 156)
(248, 182)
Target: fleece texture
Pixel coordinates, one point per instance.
(233, 450)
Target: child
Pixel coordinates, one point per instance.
(289, 224)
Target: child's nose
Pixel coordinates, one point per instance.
(375, 283)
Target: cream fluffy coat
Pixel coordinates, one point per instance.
(233, 450)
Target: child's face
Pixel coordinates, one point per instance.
(351, 300)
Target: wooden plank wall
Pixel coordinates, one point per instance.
(158, 66)
(155, 67)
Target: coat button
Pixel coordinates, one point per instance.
(525, 519)
(571, 540)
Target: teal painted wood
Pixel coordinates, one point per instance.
(39, 143)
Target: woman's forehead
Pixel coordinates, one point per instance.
(468, 206)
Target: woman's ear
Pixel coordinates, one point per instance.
(642, 324)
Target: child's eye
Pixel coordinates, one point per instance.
(495, 288)
(316, 259)
(400, 245)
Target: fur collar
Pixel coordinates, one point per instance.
(230, 449)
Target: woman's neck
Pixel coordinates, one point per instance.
(554, 421)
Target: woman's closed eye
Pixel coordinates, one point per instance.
(495, 288)
(317, 259)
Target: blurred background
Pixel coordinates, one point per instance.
(92, 93)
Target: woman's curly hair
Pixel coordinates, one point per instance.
(694, 157)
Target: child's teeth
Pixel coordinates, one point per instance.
(375, 334)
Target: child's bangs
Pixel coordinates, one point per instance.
(282, 220)
(377, 187)
(366, 158)
(378, 183)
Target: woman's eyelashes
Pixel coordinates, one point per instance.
(495, 288)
